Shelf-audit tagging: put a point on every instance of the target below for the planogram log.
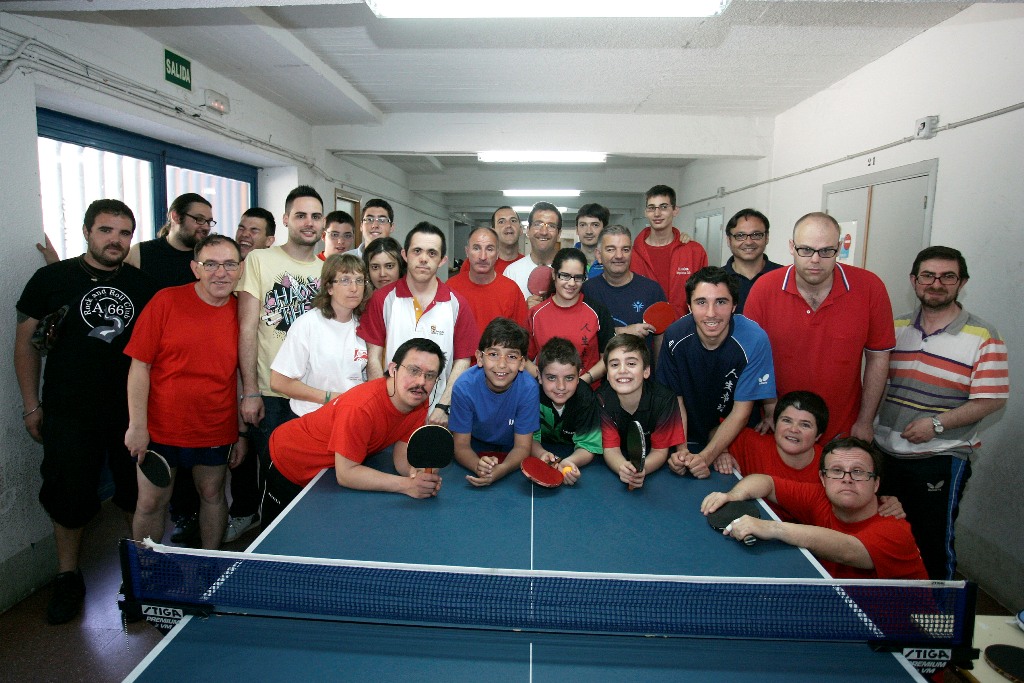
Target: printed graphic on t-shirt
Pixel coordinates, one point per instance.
(108, 311)
(290, 297)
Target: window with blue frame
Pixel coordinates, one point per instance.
(81, 161)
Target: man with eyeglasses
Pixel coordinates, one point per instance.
(420, 305)
(170, 370)
(822, 319)
(168, 257)
(369, 418)
(339, 235)
(838, 519)
(949, 371)
(660, 253)
(747, 234)
(505, 222)
(278, 286)
(543, 231)
(378, 221)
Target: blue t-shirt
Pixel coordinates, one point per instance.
(628, 302)
(709, 381)
(494, 418)
(595, 268)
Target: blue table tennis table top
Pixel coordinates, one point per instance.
(595, 526)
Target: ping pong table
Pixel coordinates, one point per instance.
(595, 526)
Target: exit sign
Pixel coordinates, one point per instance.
(177, 70)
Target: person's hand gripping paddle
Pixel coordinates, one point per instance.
(636, 447)
(541, 473)
(155, 468)
(660, 316)
(722, 518)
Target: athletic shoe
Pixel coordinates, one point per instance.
(186, 531)
(238, 526)
(68, 595)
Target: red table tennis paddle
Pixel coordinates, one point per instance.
(540, 280)
(660, 315)
(431, 447)
(722, 518)
(636, 447)
(541, 473)
(155, 468)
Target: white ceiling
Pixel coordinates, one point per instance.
(759, 58)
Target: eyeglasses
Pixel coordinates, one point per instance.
(203, 220)
(840, 473)
(565, 277)
(927, 278)
(659, 207)
(825, 252)
(347, 281)
(212, 266)
(754, 236)
(383, 220)
(537, 225)
(416, 373)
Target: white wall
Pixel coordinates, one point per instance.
(965, 67)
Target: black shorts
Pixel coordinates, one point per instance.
(75, 446)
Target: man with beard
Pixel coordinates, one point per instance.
(168, 259)
(948, 371)
(591, 219)
(85, 380)
(278, 286)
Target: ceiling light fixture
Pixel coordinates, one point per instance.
(512, 157)
(522, 9)
(541, 193)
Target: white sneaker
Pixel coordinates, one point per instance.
(238, 526)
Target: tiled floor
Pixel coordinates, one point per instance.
(93, 647)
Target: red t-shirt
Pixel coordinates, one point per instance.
(192, 350)
(498, 299)
(670, 266)
(358, 423)
(588, 328)
(888, 540)
(821, 350)
(758, 454)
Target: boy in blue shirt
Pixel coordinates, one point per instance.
(570, 416)
(495, 407)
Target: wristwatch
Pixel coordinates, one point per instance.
(445, 407)
(937, 426)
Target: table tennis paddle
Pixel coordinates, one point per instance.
(660, 315)
(1008, 660)
(539, 281)
(636, 447)
(431, 447)
(722, 518)
(155, 468)
(541, 473)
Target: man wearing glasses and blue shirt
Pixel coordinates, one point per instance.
(822, 318)
(747, 234)
(378, 221)
(839, 520)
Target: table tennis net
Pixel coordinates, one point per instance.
(919, 612)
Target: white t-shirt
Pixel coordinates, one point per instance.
(519, 272)
(321, 353)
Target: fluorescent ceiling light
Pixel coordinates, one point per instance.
(528, 209)
(541, 193)
(512, 157)
(484, 9)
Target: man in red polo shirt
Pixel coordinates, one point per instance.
(661, 253)
(821, 319)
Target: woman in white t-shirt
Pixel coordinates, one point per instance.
(322, 357)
